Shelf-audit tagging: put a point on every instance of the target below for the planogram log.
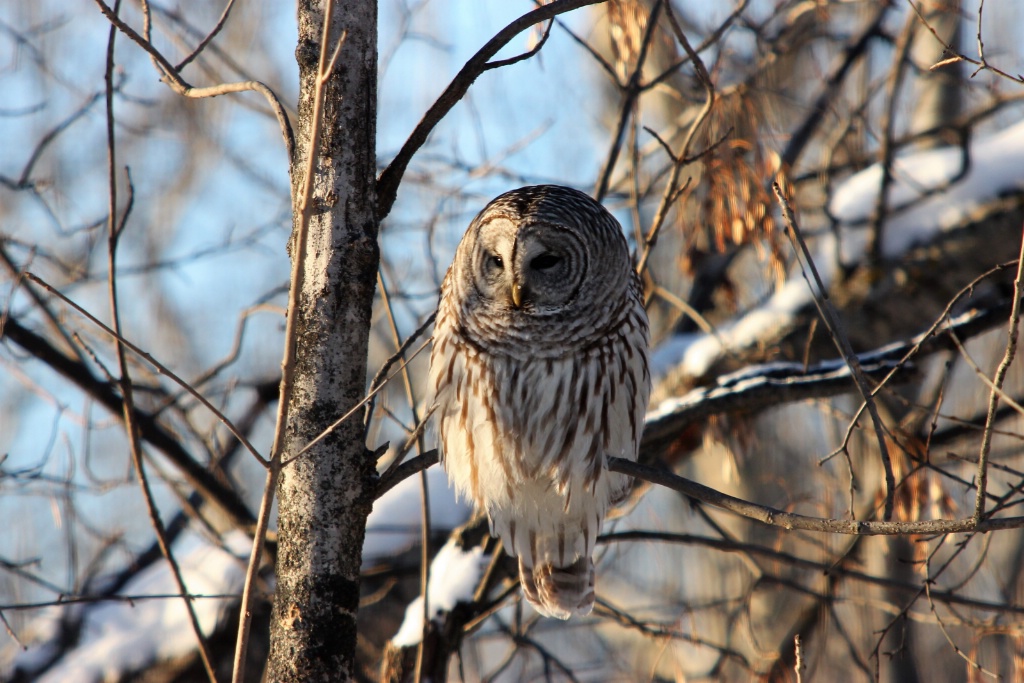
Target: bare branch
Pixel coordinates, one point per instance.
(116, 228)
(210, 36)
(160, 367)
(631, 94)
(842, 343)
(391, 177)
(997, 386)
(148, 426)
(183, 88)
(789, 520)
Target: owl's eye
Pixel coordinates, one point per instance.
(545, 261)
(494, 261)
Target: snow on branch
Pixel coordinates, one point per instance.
(144, 622)
(931, 192)
(760, 386)
(454, 574)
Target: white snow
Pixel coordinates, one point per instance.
(121, 637)
(394, 524)
(454, 574)
(930, 193)
(926, 194)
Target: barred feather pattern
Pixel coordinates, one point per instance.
(534, 391)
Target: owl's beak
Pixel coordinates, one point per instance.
(517, 295)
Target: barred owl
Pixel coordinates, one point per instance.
(539, 370)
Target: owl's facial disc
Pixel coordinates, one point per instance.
(542, 276)
(528, 267)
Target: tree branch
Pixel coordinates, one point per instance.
(149, 427)
(391, 177)
(173, 78)
(842, 343)
(789, 520)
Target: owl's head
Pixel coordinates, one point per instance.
(544, 249)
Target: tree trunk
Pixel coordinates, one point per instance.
(938, 94)
(325, 496)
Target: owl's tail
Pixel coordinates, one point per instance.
(559, 591)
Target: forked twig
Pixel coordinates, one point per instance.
(115, 230)
(842, 343)
(680, 160)
(173, 78)
(210, 36)
(997, 387)
(160, 367)
(391, 177)
(790, 520)
(981, 62)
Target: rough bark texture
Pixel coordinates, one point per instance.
(325, 495)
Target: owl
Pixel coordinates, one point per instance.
(539, 370)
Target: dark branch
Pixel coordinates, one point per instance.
(827, 97)
(391, 177)
(759, 387)
(149, 428)
(789, 520)
(825, 568)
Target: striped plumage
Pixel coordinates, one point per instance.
(539, 371)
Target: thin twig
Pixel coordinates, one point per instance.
(790, 521)
(410, 396)
(24, 180)
(803, 133)
(945, 632)
(160, 367)
(975, 321)
(997, 385)
(115, 230)
(183, 88)
(499, 63)
(11, 633)
(206, 41)
(671, 193)
(712, 38)
(381, 375)
(993, 387)
(65, 599)
(886, 151)
(844, 566)
(981, 62)
(632, 89)
(842, 343)
(18, 277)
(391, 177)
(149, 427)
(366, 399)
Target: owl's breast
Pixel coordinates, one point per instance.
(515, 412)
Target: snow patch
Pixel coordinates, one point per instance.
(454, 574)
(931, 192)
(123, 637)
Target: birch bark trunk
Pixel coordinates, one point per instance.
(326, 494)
